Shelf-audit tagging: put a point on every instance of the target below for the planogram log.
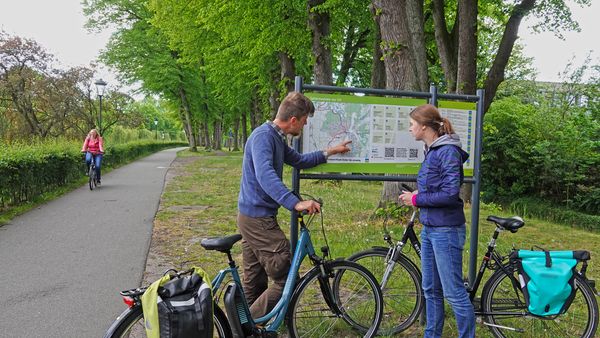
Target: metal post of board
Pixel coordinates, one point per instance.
(295, 180)
(434, 97)
(476, 188)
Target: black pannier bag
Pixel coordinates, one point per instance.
(179, 306)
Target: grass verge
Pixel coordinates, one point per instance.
(200, 200)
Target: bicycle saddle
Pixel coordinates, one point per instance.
(510, 223)
(222, 244)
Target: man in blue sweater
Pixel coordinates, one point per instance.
(265, 249)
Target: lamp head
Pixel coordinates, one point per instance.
(100, 86)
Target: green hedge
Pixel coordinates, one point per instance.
(27, 171)
(537, 208)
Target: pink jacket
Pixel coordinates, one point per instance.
(93, 146)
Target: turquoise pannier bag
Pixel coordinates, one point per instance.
(547, 279)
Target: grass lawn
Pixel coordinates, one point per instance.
(200, 200)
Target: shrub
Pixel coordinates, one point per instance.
(532, 207)
(29, 170)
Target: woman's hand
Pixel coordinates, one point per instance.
(406, 198)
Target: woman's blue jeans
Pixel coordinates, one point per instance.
(97, 161)
(441, 265)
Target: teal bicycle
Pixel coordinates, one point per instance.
(336, 298)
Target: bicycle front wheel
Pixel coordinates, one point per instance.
(506, 312)
(92, 178)
(319, 310)
(130, 324)
(402, 293)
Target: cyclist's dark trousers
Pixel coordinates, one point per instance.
(266, 254)
(97, 161)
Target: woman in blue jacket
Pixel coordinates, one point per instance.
(443, 220)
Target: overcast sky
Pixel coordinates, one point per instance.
(58, 26)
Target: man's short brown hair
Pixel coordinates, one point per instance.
(295, 104)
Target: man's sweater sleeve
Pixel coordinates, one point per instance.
(262, 157)
(304, 161)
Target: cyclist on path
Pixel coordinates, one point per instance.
(93, 148)
(443, 219)
(265, 249)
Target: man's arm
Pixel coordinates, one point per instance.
(262, 150)
(309, 160)
(341, 148)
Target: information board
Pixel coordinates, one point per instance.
(378, 128)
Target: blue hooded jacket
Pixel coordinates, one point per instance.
(439, 181)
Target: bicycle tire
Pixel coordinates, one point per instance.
(403, 299)
(359, 300)
(130, 324)
(92, 178)
(580, 320)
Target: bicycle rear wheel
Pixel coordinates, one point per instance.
(130, 324)
(506, 311)
(356, 299)
(402, 294)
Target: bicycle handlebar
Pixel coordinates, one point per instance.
(318, 200)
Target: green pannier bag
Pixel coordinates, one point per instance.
(547, 279)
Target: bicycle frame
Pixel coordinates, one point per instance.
(303, 248)
(396, 249)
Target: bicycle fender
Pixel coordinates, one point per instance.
(316, 270)
(113, 327)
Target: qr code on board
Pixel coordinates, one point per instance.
(389, 152)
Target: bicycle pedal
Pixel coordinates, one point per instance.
(266, 334)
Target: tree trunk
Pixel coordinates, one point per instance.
(187, 119)
(217, 135)
(378, 68)
(466, 77)
(276, 79)
(288, 70)
(236, 133)
(395, 40)
(206, 134)
(319, 24)
(445, 45)
(495, 75)
(244, 128)
(414, 20)
(400, 69)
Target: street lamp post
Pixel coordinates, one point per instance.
(100, 86)
(156, 128)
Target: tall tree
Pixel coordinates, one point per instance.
(320, 26)
(141, 52)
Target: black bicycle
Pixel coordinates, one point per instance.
(502, 305)
(92, 177)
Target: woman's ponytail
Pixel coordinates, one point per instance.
(445, 127)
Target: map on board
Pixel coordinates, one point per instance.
(334, 123)
(378, 129)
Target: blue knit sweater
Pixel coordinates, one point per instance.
(262, 190)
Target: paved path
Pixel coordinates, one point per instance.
(63, 263)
